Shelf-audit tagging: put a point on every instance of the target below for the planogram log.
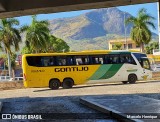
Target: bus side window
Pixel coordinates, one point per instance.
(97, 59)
(127, 58)
(71, 60)
(122, 59)
(61, 60)
(112, 59)
(82, 60)
(51, 61)
(132, 60)
(115, 60)
(106, 59)
(101, 60)
(32, 61)
(78, 61)
(45, 61)
(38, 61)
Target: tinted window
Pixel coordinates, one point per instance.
(127, 58)
(40, 61)
(46, 61)
(145, 63)
(71, 60)
(111, 59)
(34, 61)
(52, 61)
(61, 61)
(97, 59)
(139, 55)
(82, 60)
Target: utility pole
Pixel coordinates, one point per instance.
(125, 31)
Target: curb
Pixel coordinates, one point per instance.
(113, 113)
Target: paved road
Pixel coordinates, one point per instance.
(44, 100)
(68, 107)
(98, 89)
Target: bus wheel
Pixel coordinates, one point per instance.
(132, 78)
(67, 83)
(54, 84)
(124, 82)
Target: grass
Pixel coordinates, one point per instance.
(7, 85)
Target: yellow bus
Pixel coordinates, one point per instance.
(67, 69)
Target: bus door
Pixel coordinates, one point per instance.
(146, 68)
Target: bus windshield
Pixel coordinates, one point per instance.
(145, 63)
(143, 60)
(139, 56)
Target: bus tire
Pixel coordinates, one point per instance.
(54, 84)
(67, 83)
(132, 78)
(124, 82)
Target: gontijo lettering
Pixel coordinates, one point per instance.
(71, 69)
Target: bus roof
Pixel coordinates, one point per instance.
(85, 52)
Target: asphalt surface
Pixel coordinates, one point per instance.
(44, 100)
(61, 106)
(82, 90)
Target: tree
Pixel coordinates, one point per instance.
(140, 32)
(151, 46)
(117, 46)
(54, 45)
(26, 50)
(61, 46)
(9, 37)
(37, 35)
(57, 45)
(52, 41)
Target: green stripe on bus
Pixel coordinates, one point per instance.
(106, 71)
(100, 72)
(112, 71)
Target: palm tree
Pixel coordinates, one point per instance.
(9, 37)
(50, 47)
(37, 35)
(151, 46)
(140, 32)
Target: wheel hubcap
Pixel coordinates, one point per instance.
(55, 84)
(132, 78)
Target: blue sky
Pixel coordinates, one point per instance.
(132, 9)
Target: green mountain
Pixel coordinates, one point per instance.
(92, 30)
(96, 23)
